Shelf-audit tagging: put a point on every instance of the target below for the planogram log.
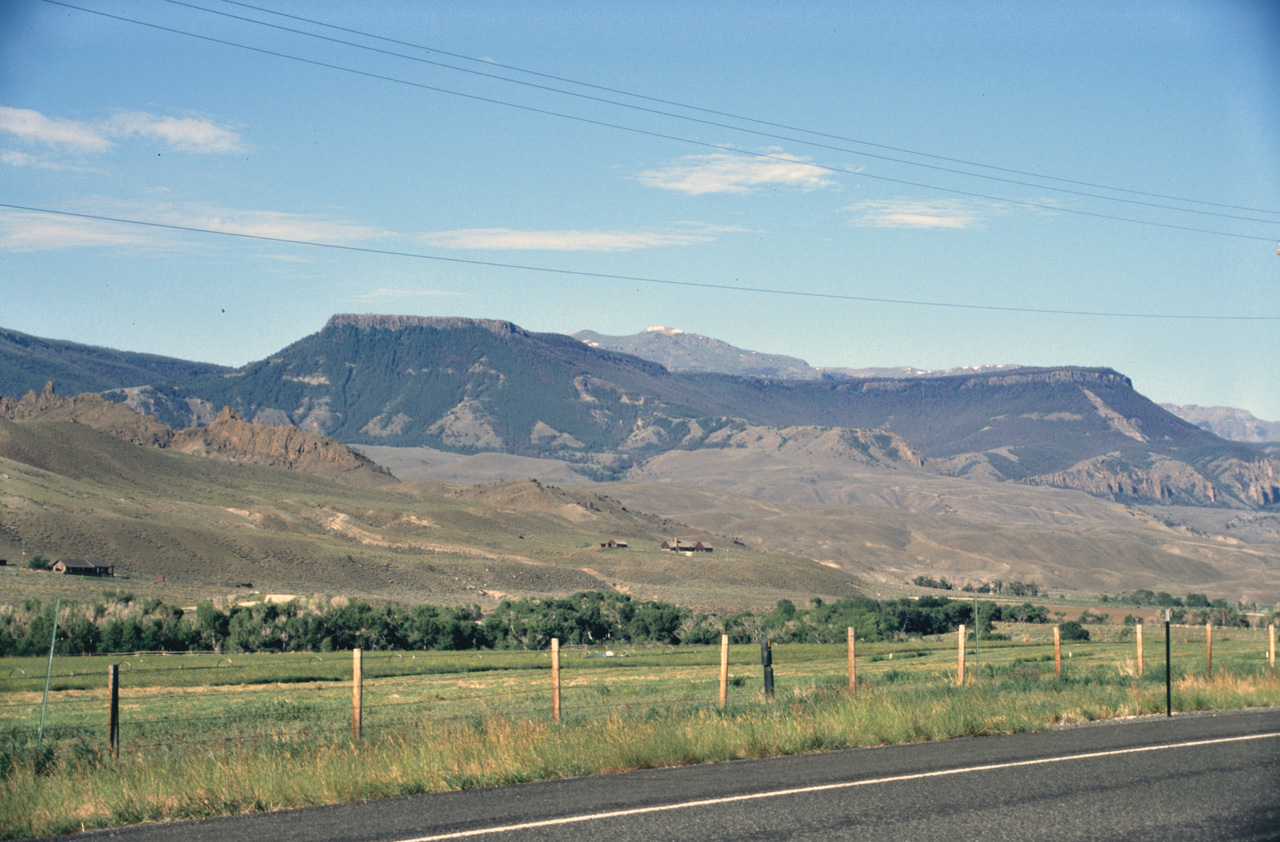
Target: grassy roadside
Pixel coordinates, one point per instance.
(79, 788)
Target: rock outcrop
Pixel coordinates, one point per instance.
(229, 437)
(91, 410)
(1164, 481)
(233, 439)
(1226, 481)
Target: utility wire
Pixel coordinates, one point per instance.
(768, 135)
(637, 278)
(704, 144)
(713, 111)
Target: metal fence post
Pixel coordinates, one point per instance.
(766, 659)
(113, 710)
(1168, 667)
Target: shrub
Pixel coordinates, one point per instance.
(1072, 630)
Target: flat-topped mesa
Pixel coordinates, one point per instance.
(1021, 376)
(367, 321)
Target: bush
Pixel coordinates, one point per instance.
(1073, 631)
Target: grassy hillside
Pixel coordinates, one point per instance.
(888, 522)
(72, 492)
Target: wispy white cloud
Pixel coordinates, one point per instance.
(183, 134)
(27, 231)
(914, 213)
(22, 231)
(274, 224)
(507, 239)
(40, 162)
(725, 172)
(34, 127)
(387, 293)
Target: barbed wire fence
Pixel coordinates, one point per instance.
(130, 705)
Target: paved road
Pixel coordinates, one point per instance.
(1194, 777)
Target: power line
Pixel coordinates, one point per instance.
(660, 135)
(723, 114)
(634, 278)
(768, 135)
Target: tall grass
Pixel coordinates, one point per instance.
(75, 787)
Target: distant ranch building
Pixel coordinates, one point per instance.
(613, 545)
(679, 545)
(79, 567)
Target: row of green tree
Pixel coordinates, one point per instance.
(119, 623)
(1160, 599)
(997, 586)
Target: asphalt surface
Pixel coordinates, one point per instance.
(1192, 777)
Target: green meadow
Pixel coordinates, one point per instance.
(204, 734)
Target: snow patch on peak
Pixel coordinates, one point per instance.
(669, 331)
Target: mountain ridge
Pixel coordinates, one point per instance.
(28, 362)
(472, 386)
(1228, 422)
(682, 351)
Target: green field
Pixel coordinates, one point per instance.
(205, 734)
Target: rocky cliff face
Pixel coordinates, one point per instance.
(90, 409)
(1225, 481)
(1255, 482)
(228, 437)
(1164, 481)
(373, 321)
(232, 438)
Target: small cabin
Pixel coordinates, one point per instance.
(613, 545)
(679, 545)
(79, 567)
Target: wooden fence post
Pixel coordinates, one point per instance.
(555, 679)
(1057, 651)
(1208, 648)
(1138, 629)
(113, 710)
(960, 662)
(357, 692)
(1272, 650)
(724, 670)
(853, 673)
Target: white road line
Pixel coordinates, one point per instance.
(756, 796)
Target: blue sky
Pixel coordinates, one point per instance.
(857, 183)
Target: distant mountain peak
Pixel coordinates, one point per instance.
(679, 350)
(1228, 422)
